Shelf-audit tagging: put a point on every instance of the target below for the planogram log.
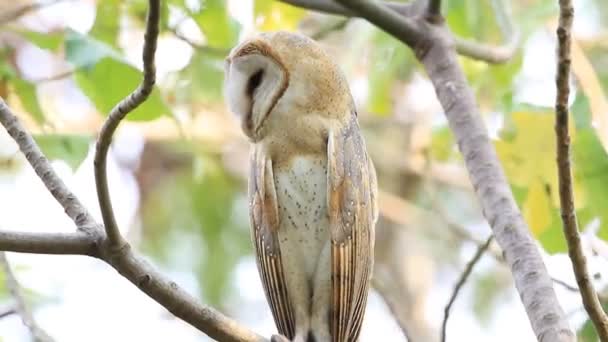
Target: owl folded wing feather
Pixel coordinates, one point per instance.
(265, 225)
(352, 208)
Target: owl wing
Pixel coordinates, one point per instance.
(264, 219)
(353, 211)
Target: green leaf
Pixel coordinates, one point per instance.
(587, 332)
(204, 76)
(84, 51)
(389, 62)
(109, 81)
(442, 144)
(70, 148)
(219, 28)
(107, 22)
(26, 91)
(591, 169)
(47, 41)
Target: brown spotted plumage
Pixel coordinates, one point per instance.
(312, 186)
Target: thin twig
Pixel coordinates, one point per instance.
(463, 278)
(329, 28)
(198, 46)
(21, 307)
(570, 226)
(118, 113)
(7, 310)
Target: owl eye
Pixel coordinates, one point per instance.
(254, 81)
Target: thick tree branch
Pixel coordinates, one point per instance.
(38, 334)
(90, 238)
(118, 113)
(489, 53)
(463, 279)
(334, 7)
(575, 251)
(433, 45)
(433, 10)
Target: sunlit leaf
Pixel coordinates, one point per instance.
(109, 81)
(107, 21)
(273, 15)
(26, 91)
(81, 50)
(204, 75)
(70, 148)
(528, 152)
(442, 144)
(591, 170)
(537, 208)
(388, 62)
(220, 30)
(48, 41)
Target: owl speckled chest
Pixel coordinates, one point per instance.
(301, 190)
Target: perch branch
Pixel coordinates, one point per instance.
(463, 278)
(575, 251)
(433, 45)
(90, 239)
(118, 113)
(38, 334)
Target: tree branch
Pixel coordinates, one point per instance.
(118, 113)
(332, 7)
(433, 46)
(38, 334)
(489, 53)
(575, 251)
(49, 243)
(463, 278)
(90, 238)
(71, 205)
(7, 310)
(433, 10)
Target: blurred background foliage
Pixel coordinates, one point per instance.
(192, 206)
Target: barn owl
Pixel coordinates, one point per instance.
(312, 185)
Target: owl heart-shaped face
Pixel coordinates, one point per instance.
(275, 79)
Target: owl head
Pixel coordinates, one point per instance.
(277, 79)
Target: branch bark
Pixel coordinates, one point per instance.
(575, 251)
(90, 238)
(118, 113)
(434, 46)
(494, 54)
